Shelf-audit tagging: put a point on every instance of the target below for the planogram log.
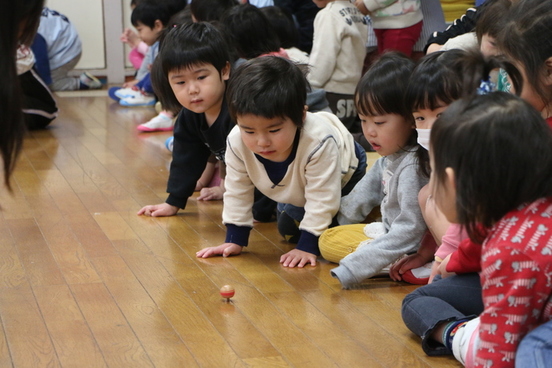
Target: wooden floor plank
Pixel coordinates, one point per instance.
(118, 343)
(28, 339)
(71, 336)
(160, 341)
(5, 356)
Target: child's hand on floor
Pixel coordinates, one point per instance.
(211, 194)
(225, 250)
(298, 258)
(406, 263)
(158, 210)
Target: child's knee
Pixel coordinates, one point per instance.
(288, 227)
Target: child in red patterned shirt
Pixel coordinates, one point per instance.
(491, 175)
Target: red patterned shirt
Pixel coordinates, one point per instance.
(516, 277)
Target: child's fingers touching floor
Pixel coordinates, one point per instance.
(225, 250)
(158, 210)
(298, 258)
(210, 194)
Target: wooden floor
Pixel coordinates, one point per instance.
(85, 282)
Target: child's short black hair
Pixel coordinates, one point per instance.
(210, 10)
(250, 31)
(184, 46)
(381, 90)
(500, 149)
(148, 11)
(175, 5)
(283, 24)
(270, 87)
(436, 80)
(443, 77)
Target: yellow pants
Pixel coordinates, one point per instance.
(339, 241)
(454, 9)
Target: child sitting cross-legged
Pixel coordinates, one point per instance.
(507, 212)
(304, 161)
(392, 183)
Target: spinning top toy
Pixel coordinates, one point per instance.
(227, 291)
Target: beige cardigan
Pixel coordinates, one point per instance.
(324, 163)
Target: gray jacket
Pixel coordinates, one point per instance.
(393, 183)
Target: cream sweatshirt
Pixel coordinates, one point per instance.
(324, 163)
(338, 48)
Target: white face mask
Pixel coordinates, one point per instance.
(423, 137)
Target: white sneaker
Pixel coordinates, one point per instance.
(127, 92)
(141, 100)
(160, 123)
(90, 81)
(466, 341)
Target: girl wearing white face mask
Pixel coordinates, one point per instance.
(434, 84)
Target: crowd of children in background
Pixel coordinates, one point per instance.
(275, 103)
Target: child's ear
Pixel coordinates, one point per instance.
(305, 109)
(548, 71)
(225, 72)
(451, 179)
(158, 25)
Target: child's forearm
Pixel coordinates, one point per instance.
(237, 234)
(308, 242)
(206, 176)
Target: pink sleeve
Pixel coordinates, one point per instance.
(450, 241)
(142, 48)
(135, 58)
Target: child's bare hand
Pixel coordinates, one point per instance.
(406, 263)
(434, 271)
(225, 250)
(130, 37)
(361, 7)
(443, 268)
(433, 48)
(158, 210)
(297, 258)
(211, 194)
(130, 84)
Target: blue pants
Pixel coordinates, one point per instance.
(289, 216)
(535, 349)
(145, 84)
(450, 299)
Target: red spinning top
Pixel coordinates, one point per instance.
(227, 291)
